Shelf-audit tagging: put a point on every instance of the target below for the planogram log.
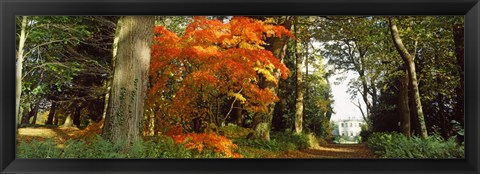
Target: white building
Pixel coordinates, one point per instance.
(350, 127)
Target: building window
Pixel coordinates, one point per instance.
(359, 125)
(351, 133)
(342, 125)
(350, 124)
(343, 134)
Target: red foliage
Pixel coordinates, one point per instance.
(210, 61)
(199, 142)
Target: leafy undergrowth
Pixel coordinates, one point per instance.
(396, 145)
(55, 142)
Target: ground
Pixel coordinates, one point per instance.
(323, 150)
(330, 150)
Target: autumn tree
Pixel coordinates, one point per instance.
(124, 117)
(192, 76)
(262, 122)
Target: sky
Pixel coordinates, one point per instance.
(343, 106)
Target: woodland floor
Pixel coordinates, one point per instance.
(330, 150)
(323, 150)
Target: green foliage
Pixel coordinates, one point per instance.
(234, 131)
(282, 141)
(301, 141)
(38, 149)
(395, 145)
(157, 147)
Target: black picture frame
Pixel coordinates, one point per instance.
(11, 8)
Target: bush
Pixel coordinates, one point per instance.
(38, 149)
(97, 147)
(271, 145)
(208, 141)
(395, 145)
(301, 141)
(234, 131)
(282, 141)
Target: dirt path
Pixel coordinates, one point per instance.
(330, 150)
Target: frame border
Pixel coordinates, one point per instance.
(11, 8)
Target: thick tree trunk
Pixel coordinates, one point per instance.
(76, 115)
(108, 83)
(403, 106)
(458, 36)
(409, 60)
(262, 122)
(299, 85)
(19, 66)
(124, 115)
(51, 114)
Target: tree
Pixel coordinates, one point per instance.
(19, 67)
(300, 91)
(348, 45)
(194, 76)
(408, 59)
(262, 122)
(124, 117)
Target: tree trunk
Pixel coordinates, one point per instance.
(51, 114)
(409, 60)
(262, 122)
(68, 121)
(19, 66)
(237, 113)
(26, 116)
(124, 115)
(77, 114)
(403, 106)
(299, 85)
(458, 36)
(108, 83)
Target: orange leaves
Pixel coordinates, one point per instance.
(211, 141)
(212, 60)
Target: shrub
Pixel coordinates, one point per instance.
(301, 141)
(395, 145)
(38, 149)
(282, 141)
(208, 141)
(97, 147)
(234, 131)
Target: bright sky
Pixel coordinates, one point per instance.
(343, 106)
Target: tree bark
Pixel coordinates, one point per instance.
(403, 106)
(51, 114)
(262, 121)
(409, 60)
(77, 114)
(299, 84)
(19, 66)
(458, 36)
(124, 115)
